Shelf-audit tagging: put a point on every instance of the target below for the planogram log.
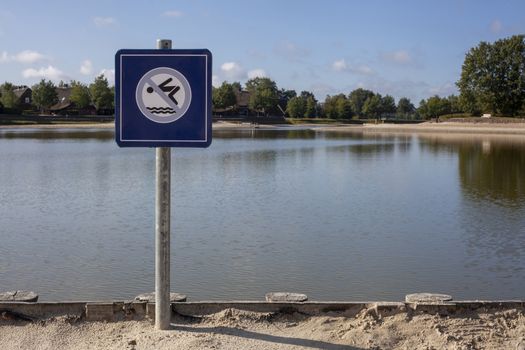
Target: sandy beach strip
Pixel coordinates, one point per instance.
(236, 329)
(427, 127)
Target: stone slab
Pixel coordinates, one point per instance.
(150, 297)
(273, 297)
(19, 296)
(427, 298)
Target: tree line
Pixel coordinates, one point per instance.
(44, 95)
(492, 81)
(265, 98)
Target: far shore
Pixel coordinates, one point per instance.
(517, 128)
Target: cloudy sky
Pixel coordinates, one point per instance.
(402, 48)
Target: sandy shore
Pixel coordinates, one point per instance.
(442, 128)
(460, 128)
(234, 329)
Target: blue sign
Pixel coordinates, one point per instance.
(163, 98)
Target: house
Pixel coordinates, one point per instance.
(65, 106)
(243, 99)
(24, 97)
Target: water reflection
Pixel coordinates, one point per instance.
(490, 168)
(58, 134)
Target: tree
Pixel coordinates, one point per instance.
(296, 107)
(405, 108)
(493, 77)
(80, 94)
(337, 107)
(388, 105)
(224, 96)
(44, 95)
(342, 107)
(311, 107)
(373, 106)
(454, 104)
(236, 86)
(263, 94)
(329, 107)
(357, 100)
(7, 95)
(434, 107)
(101, 95)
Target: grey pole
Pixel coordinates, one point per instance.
(162, 228)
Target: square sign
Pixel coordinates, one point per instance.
(163, 98)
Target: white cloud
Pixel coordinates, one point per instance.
(257, 73)
(174, 14)
(339, 65)
(399, 57)
(104, 21)
(29, 56)
(342, 66)
(51, 73)
(109, 74)
(26, 57)
(86, 68)
(496, 26)
(233, 70)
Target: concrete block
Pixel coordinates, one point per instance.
(150, 297)
(99, 312)
(19, 296)
(427, 298)
(273, 297)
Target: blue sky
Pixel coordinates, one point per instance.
(402, 48)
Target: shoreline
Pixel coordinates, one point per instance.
(263, 325)
(426, 127)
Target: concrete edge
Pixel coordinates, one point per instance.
(134, 310)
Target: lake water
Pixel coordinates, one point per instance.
(338, 216)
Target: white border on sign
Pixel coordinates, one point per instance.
(205, 94)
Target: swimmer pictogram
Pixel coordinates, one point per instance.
(163, 95)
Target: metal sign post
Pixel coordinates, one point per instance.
(163, 100)
(162, 228)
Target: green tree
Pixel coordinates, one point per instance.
(311, 107)
(224, 96)
(7, 95)
(80, 94)
(388, 105)
(405, 108)
(44, 95)
(296, 107)
(236, 86)
(358, 98)
(329, 107)
(454, 104)
(373, 106)
(434, 107)
(342, 107)
(101, 94)
(493, 77)
(263, 95)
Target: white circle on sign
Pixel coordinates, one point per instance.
(163, 95)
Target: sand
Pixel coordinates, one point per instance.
(427, 127)
(234, 329)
